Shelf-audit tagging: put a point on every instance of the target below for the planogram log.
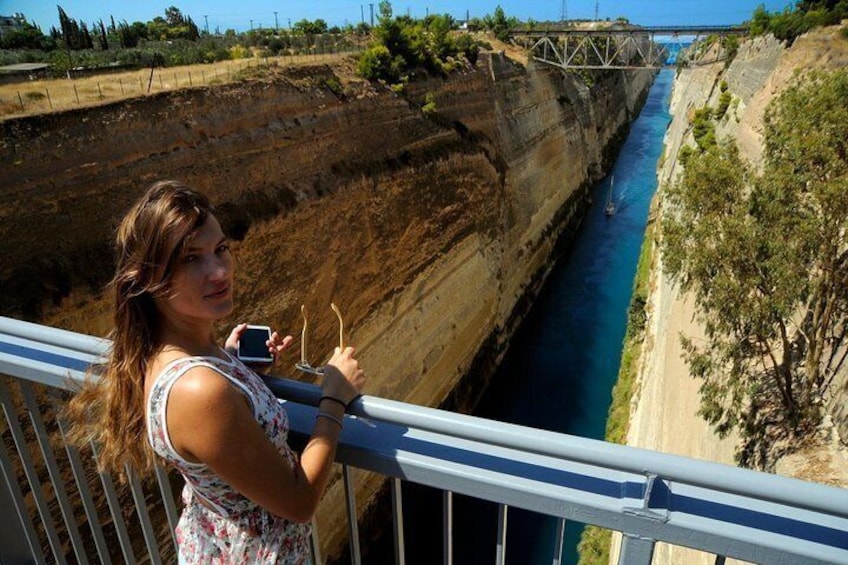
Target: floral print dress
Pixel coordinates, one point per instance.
(218, 525)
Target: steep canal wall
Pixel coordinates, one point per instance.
(664, 409)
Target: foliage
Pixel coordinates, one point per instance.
(593, 548)
(791, 23)
(73, 34)
(498, 23)
(377, 63)
(306, 27)
(724, 100)
(730, 45)
(402, 44)
(429, 106)
(766, 258)
(703, 128)
(27, 36)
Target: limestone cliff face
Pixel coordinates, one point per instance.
(431, 232)
(762, 68)
(664, 412)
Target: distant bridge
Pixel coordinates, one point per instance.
(631, 47)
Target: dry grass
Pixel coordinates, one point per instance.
(50, 95)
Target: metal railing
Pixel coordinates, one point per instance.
(648, 496)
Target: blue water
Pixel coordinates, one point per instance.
(563, 362)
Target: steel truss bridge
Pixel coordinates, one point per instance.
(620, 48)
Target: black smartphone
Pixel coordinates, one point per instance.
(252, 347)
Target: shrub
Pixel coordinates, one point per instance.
(703, 128)
(685, 154)
(723, 103)
(377, 62)
(429, 106)
(239, 52)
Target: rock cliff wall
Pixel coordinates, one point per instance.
(432, 232)
(664, 410)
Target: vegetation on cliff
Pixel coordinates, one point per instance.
(403, 44)
(791, 23)
(766, 258)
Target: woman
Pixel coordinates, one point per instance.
(169, 386)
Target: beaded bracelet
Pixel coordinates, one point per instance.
(334, 399)
(330, 417)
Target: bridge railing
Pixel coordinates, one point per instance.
(52, 504)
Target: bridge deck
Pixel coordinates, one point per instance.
(650, 30)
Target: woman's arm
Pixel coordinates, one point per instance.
(211, 422)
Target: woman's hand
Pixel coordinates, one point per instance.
(276, 345)
(346, 381)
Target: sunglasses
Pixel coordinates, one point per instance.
(303, 364)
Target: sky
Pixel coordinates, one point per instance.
(242, 14)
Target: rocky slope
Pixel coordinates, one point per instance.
(431, 232)
(664, 411)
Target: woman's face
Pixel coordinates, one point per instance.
(201, 285)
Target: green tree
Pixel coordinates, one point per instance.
(498, 23)
(759, 21)
(384, 9)
(766, 258)
(27, 36)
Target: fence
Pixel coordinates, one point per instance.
(39, 96)
(648, 496)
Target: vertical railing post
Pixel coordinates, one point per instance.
(115, 511)
(500, 554)
(41, 502)
(447, 527)
(397, 522)
(75, 461)
(635, 550)
(352, 526)
(16, 541)
(49, 458)
(144, 517)
(558, 541)
(168, 501)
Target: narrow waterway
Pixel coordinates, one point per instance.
(561, 366)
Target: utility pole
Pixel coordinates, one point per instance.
(362, 12)
(205, 17)
(372, 15)
(251, 25)
(276, 24)
(289, 25)
(564, 15)
(596, 9)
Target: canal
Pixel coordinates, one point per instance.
(563, 362)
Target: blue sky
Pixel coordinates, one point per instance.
(237, 14)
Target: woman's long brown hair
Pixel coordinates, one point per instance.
(110, 411)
